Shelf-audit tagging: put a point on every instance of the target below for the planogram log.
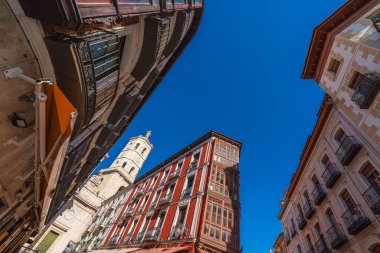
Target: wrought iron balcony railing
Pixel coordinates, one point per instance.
(309, 210)
(150, 187)
(368, 86)
(331, 175)
(301, 221)
(163, 181)
(287, 239)
(347, 150)
(318, 194)
(141, 209)
(165, 199)
(336, 237)
(138, 193)
(372, 197)
(186, 193)
(354, 220)
(293, 231)
(128, 238)
(152, 234)
(114, 240)
(174, 175)
(321, 246)
(153, 205)
(193, 166)
(178, 232)
(139, 237)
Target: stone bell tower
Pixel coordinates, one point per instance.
(126, 166)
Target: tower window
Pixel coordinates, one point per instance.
(131, 170)
(137, 145)
(124, 164)
(143, 152)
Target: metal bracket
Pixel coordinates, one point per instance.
(17, 72)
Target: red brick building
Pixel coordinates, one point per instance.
(189, 203)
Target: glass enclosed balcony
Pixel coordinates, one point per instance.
(367, 87)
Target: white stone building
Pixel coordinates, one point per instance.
(76, 215)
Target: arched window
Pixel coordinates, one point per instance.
(143, 152)
(131, 170)
(325, 161)
(371, 175)
(137, 145)
(309, 242)
(347, 199)
(330, 217)
(124, 164)
(340, 136)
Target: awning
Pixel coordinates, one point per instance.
(56, 121)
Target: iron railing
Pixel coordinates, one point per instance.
(348, 150)
(309, 210)
(354, 219)
(301, 221)
(321, 246)
(152, 234)
(331, 175)
(372, 197)
(178, 232)
(318, 194)
(335, 236)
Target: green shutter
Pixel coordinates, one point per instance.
(47, 242)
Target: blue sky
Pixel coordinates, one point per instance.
(241, 76)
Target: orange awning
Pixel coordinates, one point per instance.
(58, 116)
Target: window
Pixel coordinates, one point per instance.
(179, 166)
(131, 170)
(299, 249)
(161, 220)
(217, 233)
(219, 217)
(143, 151)
(124, 164)
(353, 84)
(213, 216)
(347, 199)
(334, 66)
(196, 157)
(230, 220)
(137, 145)
(208, 210)
(212, 231)
(181, 215)
(340, 136)
(225, 218)
(371, 176)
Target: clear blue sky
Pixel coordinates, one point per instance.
(241, 76)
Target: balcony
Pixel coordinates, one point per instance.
(348, 150)
(178, 232)
(152, 234)
(287, 239)
(293, 231)
(318, 194)
(354, 220)
(174, 175)
(165, 200)
(162, 182)
(150, 188)
(336, 237)
(141, 209)
(321, 246)
(309, 210)
(186, 193)
(153, 205)
(331, 175)
(128, 238)
(368, 86)
(193, 166)
(138, 193)
(372, 197)
(301, 221)
(114, 240)
(139, 237)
